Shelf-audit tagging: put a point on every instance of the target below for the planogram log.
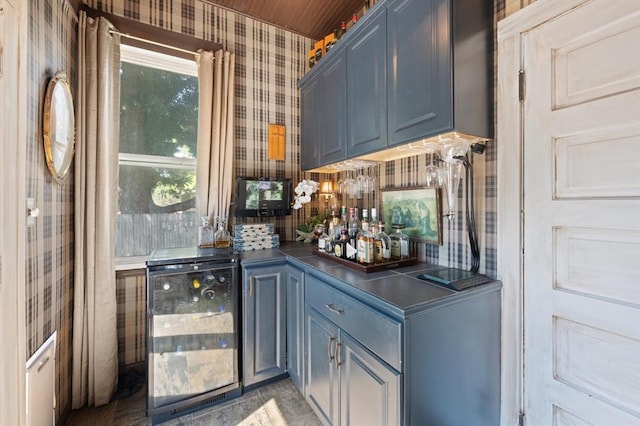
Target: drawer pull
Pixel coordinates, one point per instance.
(43, 363)
(251, 285)
(338, 362)
(332, 308)
(329, 352)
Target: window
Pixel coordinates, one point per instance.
(157, 160)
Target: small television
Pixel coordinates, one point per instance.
(262, 197)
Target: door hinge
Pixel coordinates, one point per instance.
(521, 85)
(521, 419)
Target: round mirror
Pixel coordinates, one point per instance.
(58, 126)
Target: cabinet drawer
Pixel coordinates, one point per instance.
(368, 326)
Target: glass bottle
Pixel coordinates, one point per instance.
(343, 217)
(353, 234)
(336, 226)
(365, 241)
(324, 241)
(340, 249)
(222, 238)
(385, 241)
(399, 242)
(381, 241)
(343, 29)
(205, 233)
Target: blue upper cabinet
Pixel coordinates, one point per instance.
(439, 68)
(332, 119)
(418, 69)
(414, 69)
(323, 138)
(309, 147)
(367, 86)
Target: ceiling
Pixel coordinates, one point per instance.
(311, 18)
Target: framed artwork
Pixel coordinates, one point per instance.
(419, 209)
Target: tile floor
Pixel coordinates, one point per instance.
(276, 404)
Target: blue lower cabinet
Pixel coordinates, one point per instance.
(263, 322)
(369, 389)
(346, 383)
(295, 326)
(322, 375)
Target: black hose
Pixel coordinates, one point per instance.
(471, 221)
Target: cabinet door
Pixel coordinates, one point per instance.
(332, 116)
(367, 87)
(310, 107)
(418, 69)
(369, 389)
(322, 375)
(295, 326)
(264, 321)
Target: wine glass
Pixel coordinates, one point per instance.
(433, 174)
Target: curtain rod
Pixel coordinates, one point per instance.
(144, 40)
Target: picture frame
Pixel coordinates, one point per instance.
(420, 209)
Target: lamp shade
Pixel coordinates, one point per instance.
(326, 187)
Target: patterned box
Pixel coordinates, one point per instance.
(260, 243)
(255, 228)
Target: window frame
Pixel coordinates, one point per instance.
(165, 62)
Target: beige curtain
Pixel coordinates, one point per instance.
(214, 169)
(95, 351)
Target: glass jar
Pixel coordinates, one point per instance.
(399, 242)
(205, 233)
(222, 238)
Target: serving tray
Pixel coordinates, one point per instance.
(392, 264)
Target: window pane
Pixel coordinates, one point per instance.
(156, 210)
(158, 112)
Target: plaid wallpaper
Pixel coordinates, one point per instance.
(269, 61)
(49, 257)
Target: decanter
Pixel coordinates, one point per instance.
(222, 238)
(205, 233)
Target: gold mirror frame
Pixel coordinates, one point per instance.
(58, 126)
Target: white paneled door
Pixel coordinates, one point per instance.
(582, 216)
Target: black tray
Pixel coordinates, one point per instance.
(392, 264)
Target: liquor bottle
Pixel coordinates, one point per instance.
(340, 249)
(385, 241)
(222, 238)
(354, 19)
(399, 242)
(323, 238)
(343, 29)
(336, 225)
(367, 5)
(365, 241)
(378, 244)
(344, 217)
(353, 234)
(205, 233)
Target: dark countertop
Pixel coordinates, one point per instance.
(396, 290)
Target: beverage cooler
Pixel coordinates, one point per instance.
(192, 330)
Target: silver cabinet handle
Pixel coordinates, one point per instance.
(329, 352)
(251, 285)
(332, 308)
(43, 363)
(338, 356)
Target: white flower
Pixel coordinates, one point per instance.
(303, 192)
